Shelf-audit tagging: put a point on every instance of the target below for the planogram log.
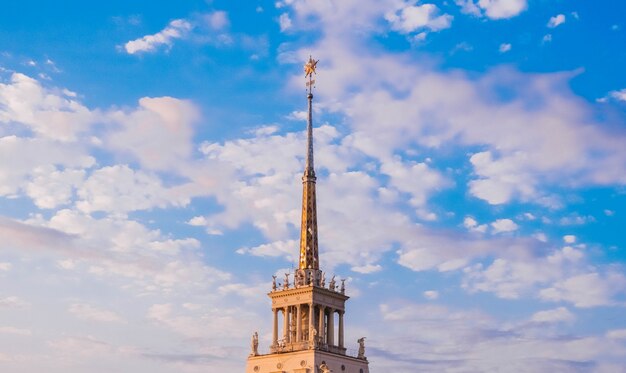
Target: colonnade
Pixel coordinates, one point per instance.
(301, 325)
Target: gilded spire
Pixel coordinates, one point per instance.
(309, 258)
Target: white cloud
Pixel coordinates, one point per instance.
(197, 221)
(44, 156)
(285, 22)
(410, 18)
(463, 46)
(469, 7)
(269, 169)
(50, 187)
(504, 47)
(518, 275)
(217, 323)
(368, 268)
(418, 38)
(285, 249)
(586, 290)
(575, 219)
(47, 112)
(445, 251)
(546, 38)
(616, 334)
(341, 17)
(446, 340)
(504, 225)
(66, 264)
(120, 249)
(560, 314)
(507, 279)
(557, 20)
(15, 331)
(619, 95)
(501, 9)
(176, 29)
(569, 238)
(157, 133)
(493, 9)
(81, 346)
(120, 189)
(265, 130)
(298, 115)
(217, 20)
(13, 302)
(498, 182)
(519, 157)
(404, 174)
(88, 312)
(469, 222)
(472, 225)
(541, 236)
(431, 294)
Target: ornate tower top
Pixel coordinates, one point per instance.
(309, 258)
(308, 340)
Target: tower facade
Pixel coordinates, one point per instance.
(308, 310)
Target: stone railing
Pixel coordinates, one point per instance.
(305, 345)
(290, 347)
(306, 278)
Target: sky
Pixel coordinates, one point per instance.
(471, 163)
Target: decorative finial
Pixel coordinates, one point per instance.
(309, 71)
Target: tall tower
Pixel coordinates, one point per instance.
(305, 339)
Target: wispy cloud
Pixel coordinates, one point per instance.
(411, 18)
(176, 29)
(557, 20)
(618, 95)
(493, 9)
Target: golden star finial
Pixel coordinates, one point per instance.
(309, 67)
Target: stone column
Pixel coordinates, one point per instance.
(331, 327)
(341, 329)
(311, 314)
(320, 332)
(299, 323)
(275, 328)
(285, 324)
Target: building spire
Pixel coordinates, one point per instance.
(309, 258)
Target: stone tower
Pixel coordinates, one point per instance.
(308, 312)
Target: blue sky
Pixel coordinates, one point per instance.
(471, 160)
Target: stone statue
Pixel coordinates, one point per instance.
(299, 278)
(361, 342)
(343, 286)
(286, 284)
(331, 286)
(323, 282)
(273, 283)
(324, 368)
(313, 338)
(255, 344)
